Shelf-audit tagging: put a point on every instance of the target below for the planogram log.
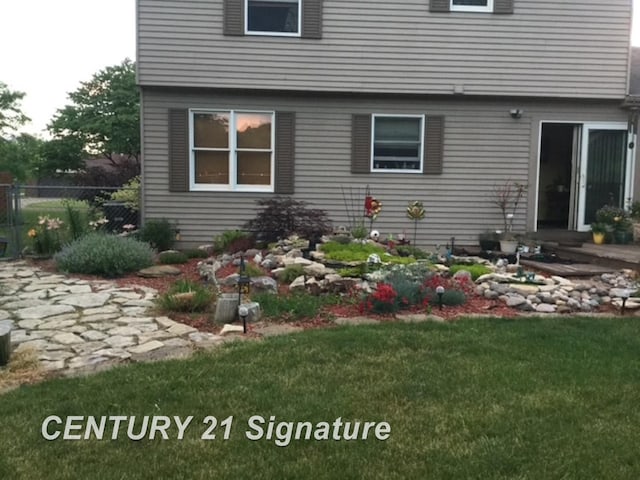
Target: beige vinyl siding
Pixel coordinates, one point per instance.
(545, 48)
(483, 146)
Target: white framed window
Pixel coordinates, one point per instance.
(397, 143)
(273, 17)
(231, 150)
(472, 6)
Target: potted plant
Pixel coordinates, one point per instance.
(617, 221)
(489, 240)
(507, 197)
(599, 231)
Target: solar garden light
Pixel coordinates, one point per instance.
(243, 312)
(624, 295)
(440, 292)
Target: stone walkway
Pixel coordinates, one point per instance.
(79, 325)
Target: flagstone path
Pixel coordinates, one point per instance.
(79, 325)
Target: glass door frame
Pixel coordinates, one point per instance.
(583, 164)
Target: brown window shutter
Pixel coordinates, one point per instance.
(285, 153)
(178, 150)
(503, 6)
(361, 144)
(233, 17)
(311, 18)
(439, 5)
(434, 146)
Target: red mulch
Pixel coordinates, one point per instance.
(474, 305)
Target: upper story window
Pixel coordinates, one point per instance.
(397, 143)
(232, 150)
(273, 17)
(472, 5)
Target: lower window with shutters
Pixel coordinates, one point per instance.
(472, 5)
(397, 143)
(231, 150)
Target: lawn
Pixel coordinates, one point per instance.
(489, 399)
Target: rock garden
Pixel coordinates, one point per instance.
(102, 298)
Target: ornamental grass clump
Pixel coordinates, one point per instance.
(186, 296)
(105, 255)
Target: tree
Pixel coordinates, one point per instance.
(103, 118)
(20, 155)
(11, 116)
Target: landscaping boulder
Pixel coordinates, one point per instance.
(317, 270)
(298, 284)
(255, 313)
(264, 285)
(158, 271)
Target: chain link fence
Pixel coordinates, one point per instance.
(23, 208)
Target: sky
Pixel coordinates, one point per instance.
(47, 47)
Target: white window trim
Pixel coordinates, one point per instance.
(372, 169)
(273, 34)
(232, 186)
(472, 8)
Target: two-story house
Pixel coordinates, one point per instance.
(437, 101)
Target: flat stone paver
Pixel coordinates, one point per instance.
(82, 325)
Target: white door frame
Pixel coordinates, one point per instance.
(582, 172)
(578, 183)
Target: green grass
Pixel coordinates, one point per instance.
(516, 399)
(293, 307)
(359, 252)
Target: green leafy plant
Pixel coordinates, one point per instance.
(411, 251)
(159, 233)
(350, 252)
(476, 270)
(171, 258)
(280, 217)
(227, 239)
(104, 254)
(291, 273)
(46, 235)
(253, 270)
(293, 307)
(186, 296)
(196, 253)
(129, 194)
(76, 218)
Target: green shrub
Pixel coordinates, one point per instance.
(223, 242)
(129, 194)
(103, 254)
(291, 273)
(292, 307)
(172, 258)
(409, 251)
(451, 298)
(476, 270)
(196, 253)
(253, 270)
(186, 296)
(350, 252)
(159, 233)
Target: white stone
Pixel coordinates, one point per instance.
(54, 356)
(29, 324)
(146, 347)
(93, 335)
(43, 311)
(123, 331)
(67, 338)
(545, 308)
(181, 329)
(86, 361)
(86, 300)
(165, 322)
(113, 353)
(120, 341)
(56, 324)
(228, 328)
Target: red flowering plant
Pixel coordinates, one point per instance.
(383, 300)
